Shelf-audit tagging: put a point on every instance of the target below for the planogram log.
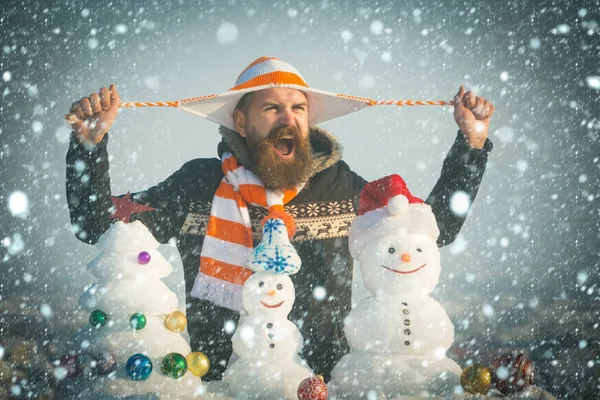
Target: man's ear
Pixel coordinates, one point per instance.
(239, 120)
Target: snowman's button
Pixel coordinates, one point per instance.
(407, 343)
(404, 304)
(407, 332)
(269, 325)
(405, 311)
(271, 336)
(407, 322)
(272, 345)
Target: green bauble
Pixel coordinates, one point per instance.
(174, 365)
(98, 318)
(137, 321)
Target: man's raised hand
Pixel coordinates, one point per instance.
(96, 114)
(472, 114)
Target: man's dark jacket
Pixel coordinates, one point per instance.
(323, 211)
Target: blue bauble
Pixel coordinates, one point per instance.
(138, 367)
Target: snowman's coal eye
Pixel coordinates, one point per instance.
(419, 250)
(279, 286)
(261, 284)
(392, 250)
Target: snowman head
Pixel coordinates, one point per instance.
(402, 263)
(268, 293)
(395, 232)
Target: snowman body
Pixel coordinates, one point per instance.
(399, 336)
(266, 342)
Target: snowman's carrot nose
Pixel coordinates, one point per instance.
(405, 257)
(271, 292)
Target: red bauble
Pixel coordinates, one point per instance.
(512, 372)
(313, 389)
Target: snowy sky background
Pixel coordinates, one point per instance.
(525, 268)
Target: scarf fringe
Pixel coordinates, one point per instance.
(217, 291)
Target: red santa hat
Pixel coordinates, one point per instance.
(386, 206)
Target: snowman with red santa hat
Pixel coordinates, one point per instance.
(399, 335)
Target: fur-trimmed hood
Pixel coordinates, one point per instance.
(326, 149)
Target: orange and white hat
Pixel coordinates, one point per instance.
(266, 73)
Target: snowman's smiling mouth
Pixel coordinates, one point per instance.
(271, 306)
(404, 272)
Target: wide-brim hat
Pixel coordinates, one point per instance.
(266, 73)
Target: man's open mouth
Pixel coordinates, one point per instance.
(404, 272)
(271, 306)
(284, 147)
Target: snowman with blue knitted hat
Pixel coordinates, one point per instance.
(399, 335)
(266, 343)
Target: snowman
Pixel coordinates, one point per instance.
(266, 342)
(399, 335)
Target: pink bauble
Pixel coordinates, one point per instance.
(313, 389)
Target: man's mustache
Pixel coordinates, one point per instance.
(283, 131)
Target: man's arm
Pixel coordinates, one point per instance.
(462, 173)
(90, 206)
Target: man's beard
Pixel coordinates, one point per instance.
(276, 173)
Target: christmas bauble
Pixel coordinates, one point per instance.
(313, 389)
(138, 367)
(476, 379)
(98, 318)
(198, 363)
(68, 367)
(174, 365)
(176, 321)
(512, 372)
(137, 321)
(144, 257)
(105, 363)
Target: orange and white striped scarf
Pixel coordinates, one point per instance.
(228, 239)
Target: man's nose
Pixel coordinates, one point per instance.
(287, 118)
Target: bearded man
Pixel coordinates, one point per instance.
(273, 161)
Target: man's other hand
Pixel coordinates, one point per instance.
(96, 114)
(472, 114)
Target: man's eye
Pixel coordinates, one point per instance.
(392, 250)
(419, 250)
(261, 284)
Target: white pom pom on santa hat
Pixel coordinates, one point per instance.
(397, 204)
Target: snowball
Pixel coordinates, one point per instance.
(367, 81)
(522, 165)
(62, 134)
(376, 27)
(506, 134)
(593, 82)
(583, 178)
(92, 43)
(37, 126)
(582, 277)
(85, 12)
(535, 43)
(504, 76)
(292, 13)
(46, 310)
(346, 35)
(7, 76)
(386, 56)
(319, 293)
(460, 202)
(121, 29)
(229, 327)
(227, 33)
(563, 29)
(488, 310)
(18, 204)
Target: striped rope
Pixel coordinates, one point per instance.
(72, 118)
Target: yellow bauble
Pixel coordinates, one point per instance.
(176, 321)
(476, 379)
(198, 363)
